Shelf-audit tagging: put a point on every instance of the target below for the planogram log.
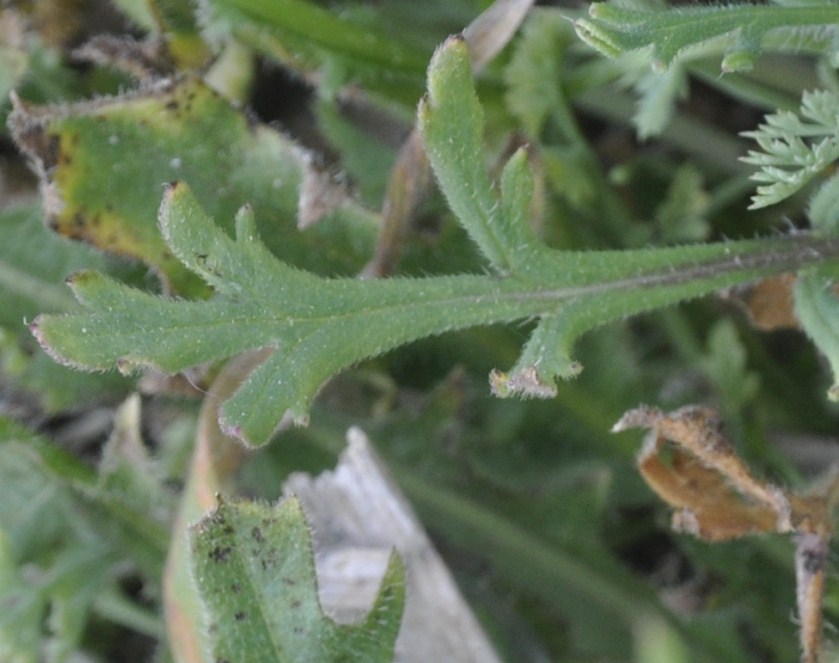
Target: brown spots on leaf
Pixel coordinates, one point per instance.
(240, 615)
(221, 554)
(256, 533)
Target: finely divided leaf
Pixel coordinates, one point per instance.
(795, 148)
(742, 30)
(318, 327)
(255, 571)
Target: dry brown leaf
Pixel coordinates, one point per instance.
(769, 302)
(716, 497)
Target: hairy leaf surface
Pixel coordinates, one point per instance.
(320, 326)
(255, 570)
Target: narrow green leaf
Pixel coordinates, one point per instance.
(725, 364)
(681, 216)
(127, 472)
(303, 34)
(255, 571)
(517, 187)
(451, 121)
(47, 492)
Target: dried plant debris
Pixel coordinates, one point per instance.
(717, 498)
(769, 303)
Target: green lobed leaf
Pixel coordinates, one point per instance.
(103, 165)
(321, 326)
(318, 327)
(254, 567)
(613, 29)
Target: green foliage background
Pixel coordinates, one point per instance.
(561, 549)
